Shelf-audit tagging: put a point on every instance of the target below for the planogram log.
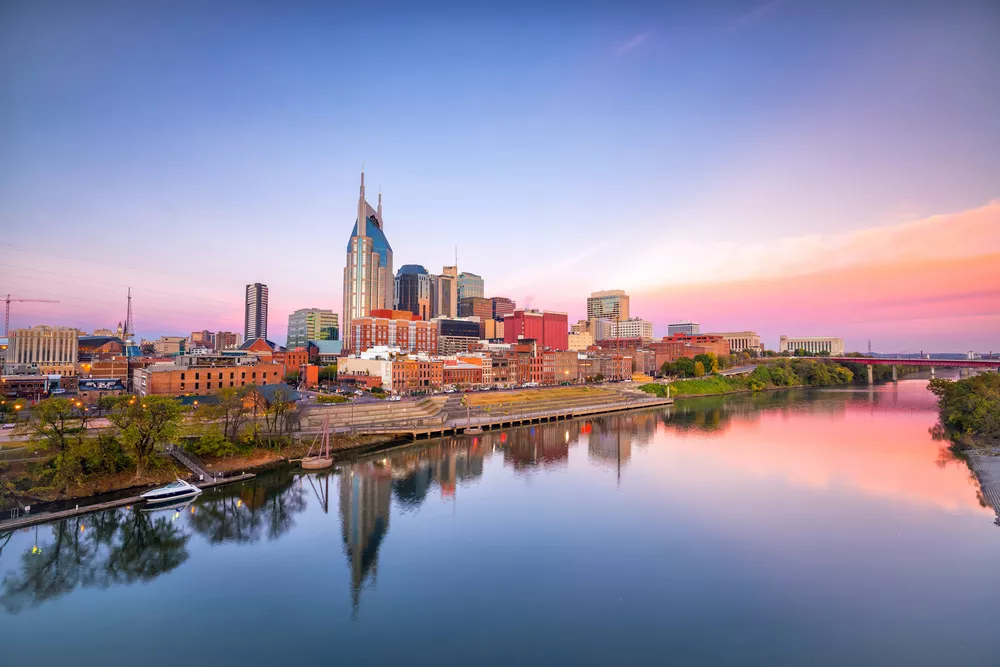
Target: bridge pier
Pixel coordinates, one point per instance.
(932, 373)
(894, 373)
(871, 380)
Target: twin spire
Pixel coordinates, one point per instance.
(361, 204)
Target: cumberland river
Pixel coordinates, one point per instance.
(824, 527)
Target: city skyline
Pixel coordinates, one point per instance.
(791, 171)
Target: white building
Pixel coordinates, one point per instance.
(814, 344)
(579, 341)
(634, 327)
(381, 368)
(42, 350)
(741, 340)
(608, 305)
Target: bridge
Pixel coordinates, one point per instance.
(981, 364)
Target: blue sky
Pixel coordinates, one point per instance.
(186, 150)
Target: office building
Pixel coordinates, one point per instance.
(633, 327)
(475, 306)
(814, 344)
(685, 327)
(368, 277)
(444, 293)
(413, 291)
(502, 306)
(608, 305)
(470, 285)
(42, 350)
(408, 335)
(168, 346)
(549, 329)
(255, 319)
(455, 335)
(308, 324)
(741, 340)
(579, 340)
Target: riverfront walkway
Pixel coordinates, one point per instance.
(987, 469)
(26, 520)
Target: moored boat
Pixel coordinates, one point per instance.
(173, 492)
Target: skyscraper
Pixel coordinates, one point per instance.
(608, 305)
(413, 290)
(255, 320)
(470, 285)
(368, 280)
(308, 324)
(444, 293)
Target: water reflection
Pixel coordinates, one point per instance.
(99, 550)
(814, 439)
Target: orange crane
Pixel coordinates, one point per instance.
(6, 317)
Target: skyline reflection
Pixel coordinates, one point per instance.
(874, 443)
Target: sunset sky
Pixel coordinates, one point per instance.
(775, 166)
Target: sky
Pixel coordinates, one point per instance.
(778, 166)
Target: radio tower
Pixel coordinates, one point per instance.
(128, 333)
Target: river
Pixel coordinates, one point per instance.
(821, 527)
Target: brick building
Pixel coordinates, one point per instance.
(406, 334)
(200, 376)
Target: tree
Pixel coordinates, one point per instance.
(699, 368)
(144, 425)
(328, 373)
(292, 377)
(230, 412)
(280, 416)
(709, 362)
(59, 425)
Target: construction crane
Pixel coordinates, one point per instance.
(6, 317)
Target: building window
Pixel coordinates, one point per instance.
(231, 377)
(196, 386)
(230, 384)
(182, 377)
(243, 376)
(197, 376)
(253, 375)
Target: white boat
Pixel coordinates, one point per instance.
(178, 490)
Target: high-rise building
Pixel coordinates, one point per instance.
(608, 305)
(42, 350)
(470, 285)
(308, 324)
(413, 290)
(368, 279)
(474, 306)
(255, 319)
(444, 293)
(685, 327)
(502, 306)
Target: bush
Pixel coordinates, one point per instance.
(971, 406)
(330, 399)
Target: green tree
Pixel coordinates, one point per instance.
(229, 412)
(60, 426)
(144, 425)
(699, 368)
(709, 361)
(328, 373)
(292, 377)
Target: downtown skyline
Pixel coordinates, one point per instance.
(760, 165)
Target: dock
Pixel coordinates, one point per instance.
(46, 517)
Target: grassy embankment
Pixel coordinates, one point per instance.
(970, 412)
(777, 374)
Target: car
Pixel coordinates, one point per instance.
(9, 425)
(358, 392)
(395, 398)
(58, 391)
